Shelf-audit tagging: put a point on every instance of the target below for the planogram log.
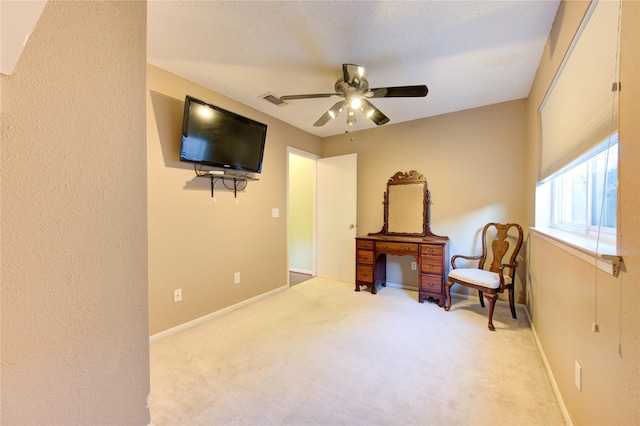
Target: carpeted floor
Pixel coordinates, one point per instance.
(321, 354)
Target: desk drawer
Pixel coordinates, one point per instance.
(431, 283)
(401, 247)
(431, 265)
(364, 274)
(364, 244)
(431, 250)
(365, 257)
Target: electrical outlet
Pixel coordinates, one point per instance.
(177, 295)
(414, 266)
(578, 377)
(236, 278)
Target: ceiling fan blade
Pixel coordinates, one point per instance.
(373, 113)
(398, 92)
(352, 74)
(310, 96)
(330, 114)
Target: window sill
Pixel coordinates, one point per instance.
(582, 247)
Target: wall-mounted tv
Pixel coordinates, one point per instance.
(219, 138)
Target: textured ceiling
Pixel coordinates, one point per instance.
(469, 53)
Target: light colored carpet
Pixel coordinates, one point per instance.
(321, 354)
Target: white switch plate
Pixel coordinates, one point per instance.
(236, 278)
(177, 295)
(275, 212)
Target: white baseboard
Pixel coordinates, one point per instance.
(402, 286)
(301, 271)
(166, 333)
(552, 379)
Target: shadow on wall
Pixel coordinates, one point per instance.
(168, 114)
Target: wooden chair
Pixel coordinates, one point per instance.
(499, 276)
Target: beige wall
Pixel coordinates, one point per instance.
(473, 161)
(197, 242)
(565, 293)
(74, 239)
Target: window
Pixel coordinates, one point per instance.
(576, 194)
(584, 194)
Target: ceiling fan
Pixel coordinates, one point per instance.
(354, 88)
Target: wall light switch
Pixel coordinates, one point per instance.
(275, 212)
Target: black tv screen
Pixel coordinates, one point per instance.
(216, 137)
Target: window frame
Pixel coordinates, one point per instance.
(547, 217)
(557, 186)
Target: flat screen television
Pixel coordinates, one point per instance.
(219, 138)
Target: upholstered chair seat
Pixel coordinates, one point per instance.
(479, 277)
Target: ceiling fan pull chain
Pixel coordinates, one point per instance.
(346, 130)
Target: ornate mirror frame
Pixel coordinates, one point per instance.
(406, 206)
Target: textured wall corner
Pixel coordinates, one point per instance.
(74, 239)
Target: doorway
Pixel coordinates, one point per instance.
(301, 209)
(321, 214)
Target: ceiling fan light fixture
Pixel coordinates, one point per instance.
(351, 117)
(353, 88)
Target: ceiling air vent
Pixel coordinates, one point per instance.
(273, 99)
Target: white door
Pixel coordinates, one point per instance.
(337, 202)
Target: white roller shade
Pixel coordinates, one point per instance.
(580, 109)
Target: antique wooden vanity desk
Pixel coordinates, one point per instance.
(406, 232)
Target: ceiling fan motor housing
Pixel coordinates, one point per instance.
(343, 88)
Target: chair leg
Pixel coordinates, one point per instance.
(492, 303)
(512, 305)
(447, 290)
(480, 295)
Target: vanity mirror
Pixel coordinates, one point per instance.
(406, 206)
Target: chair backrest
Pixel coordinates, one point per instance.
(502, 245)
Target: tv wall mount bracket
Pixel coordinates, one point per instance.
(237, 180)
